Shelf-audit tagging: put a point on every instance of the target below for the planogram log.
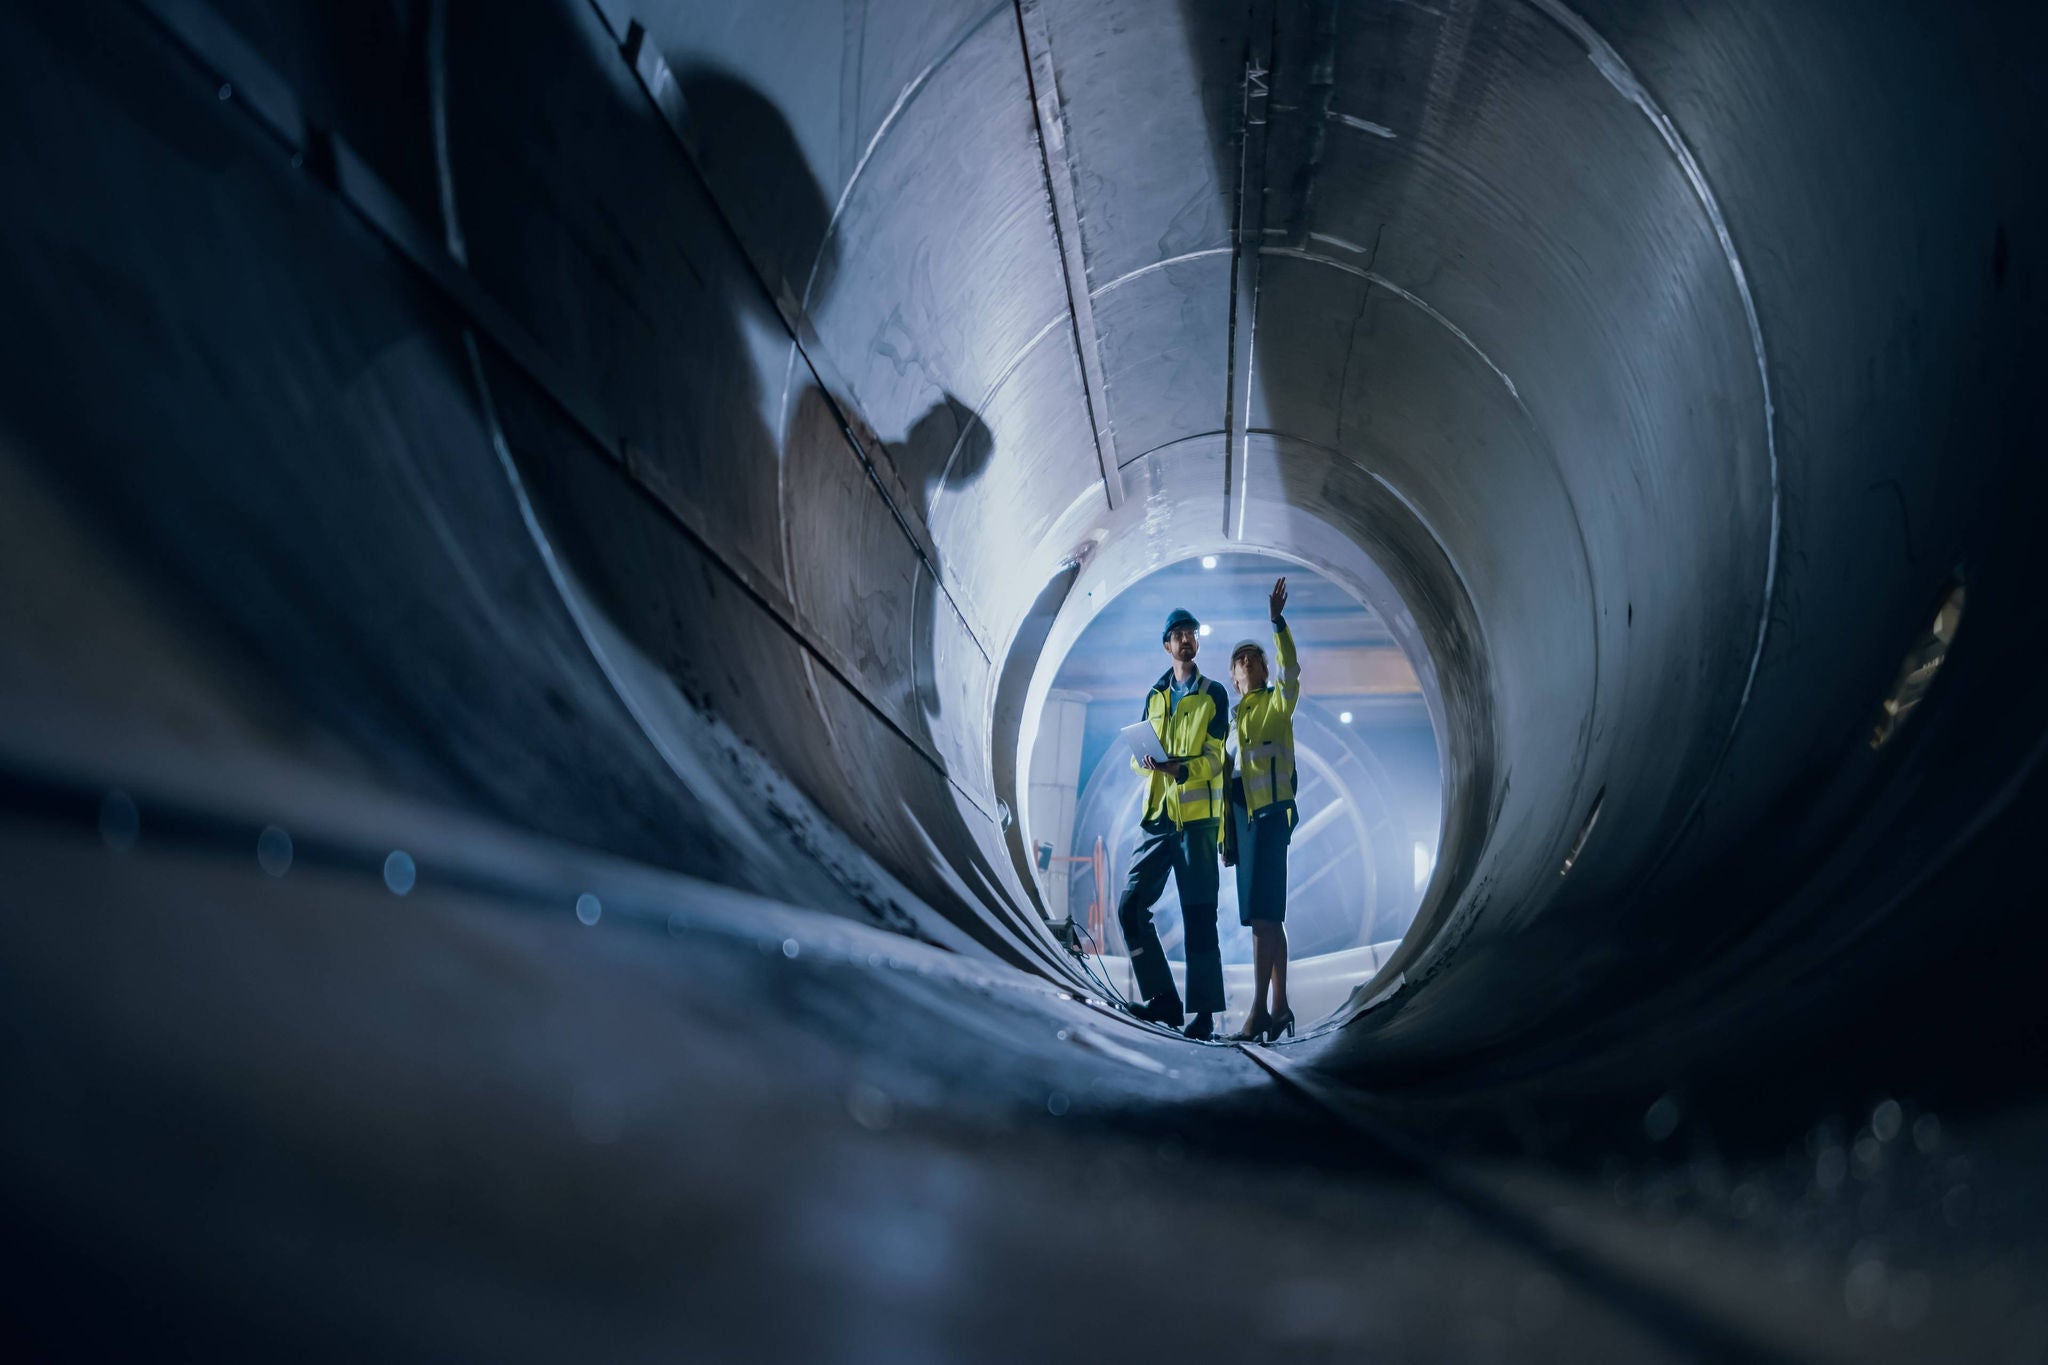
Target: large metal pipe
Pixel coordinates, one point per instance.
(694, 431)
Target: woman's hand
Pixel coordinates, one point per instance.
(1278, 601)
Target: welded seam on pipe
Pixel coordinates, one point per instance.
(1163, 446)
(1144, 270)
(1373, 277)
(1407, 503)
(1024, 352)
(1248, 232)
(1464, 338)
(1318, 88)
(218, 51)
(1618, 74)
(1041, 80)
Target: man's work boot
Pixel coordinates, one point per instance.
(1160, 1009)
(1202, 1029)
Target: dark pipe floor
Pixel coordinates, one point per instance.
(250, 1114)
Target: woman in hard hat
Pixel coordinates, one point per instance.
(1262, 813)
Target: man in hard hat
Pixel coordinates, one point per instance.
(1183, 812)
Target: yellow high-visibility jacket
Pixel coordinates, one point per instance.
(1265, 731)
(1193, 731)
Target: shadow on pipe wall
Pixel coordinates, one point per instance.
(303, 478)
(777, 477)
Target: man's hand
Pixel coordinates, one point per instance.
(1278, 600)
(1177, 771)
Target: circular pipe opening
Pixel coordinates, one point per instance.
(1370, 811)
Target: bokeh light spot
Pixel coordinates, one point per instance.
(274, 851)
(120, 821)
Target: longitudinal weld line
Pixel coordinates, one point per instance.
(1041, 80)
(1244, 263)
(1608, 1277)
(220, 55)
(651, 70)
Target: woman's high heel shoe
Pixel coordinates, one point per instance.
(1254, 1029)
(1280, 1023)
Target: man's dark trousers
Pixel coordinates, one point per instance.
(1190, 854)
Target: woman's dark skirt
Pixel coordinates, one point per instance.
(1262, 862)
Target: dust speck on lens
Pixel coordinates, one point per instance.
(399, 872)
(1660, 1121)
(120, 821)
(588, 908)
(274, 851)
(870, 1107)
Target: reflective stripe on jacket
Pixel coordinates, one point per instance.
(1265, 731)
(1191, 730)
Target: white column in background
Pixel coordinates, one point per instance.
(1055, 787)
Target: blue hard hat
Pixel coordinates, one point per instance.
(1181, 617)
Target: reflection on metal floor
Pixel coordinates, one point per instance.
(741, 1132)
(287, 1109)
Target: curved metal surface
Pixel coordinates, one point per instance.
(1604, 450)
(680, 431)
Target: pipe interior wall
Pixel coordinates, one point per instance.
(665, 427)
